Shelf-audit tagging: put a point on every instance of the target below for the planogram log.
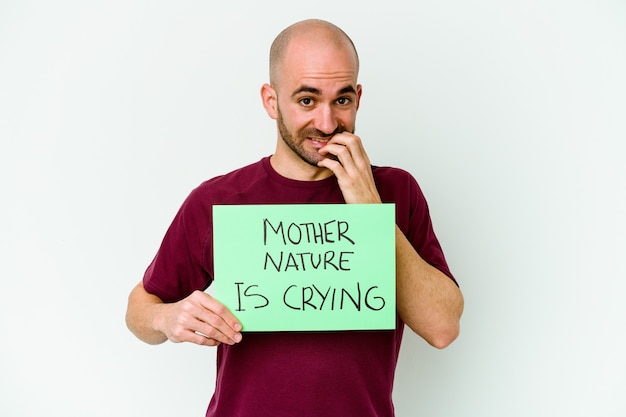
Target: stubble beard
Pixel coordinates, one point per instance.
(296, 142)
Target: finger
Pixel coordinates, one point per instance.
(333, 163)
(185, 328)
(349, 150)
(350, 141)
(202, 339)
(217, 321)
(213, 327)
(336, 152)
(222, 311)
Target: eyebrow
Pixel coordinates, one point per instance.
(317, 92)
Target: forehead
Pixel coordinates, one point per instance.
(327, 64)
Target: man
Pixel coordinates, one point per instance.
(314, 96)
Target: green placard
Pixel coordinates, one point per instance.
(306, 266)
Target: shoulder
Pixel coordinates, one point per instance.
(395, 179)
(220, 189)
(390, 172)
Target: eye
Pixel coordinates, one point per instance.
(306, 101)
(343, 101)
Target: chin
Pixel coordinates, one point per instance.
(312, 161)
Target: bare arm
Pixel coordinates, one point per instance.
(199, 319)
(428, 301)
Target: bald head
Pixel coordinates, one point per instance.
(315, 31)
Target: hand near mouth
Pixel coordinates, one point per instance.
(346, 157)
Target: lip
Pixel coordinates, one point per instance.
(318, 142)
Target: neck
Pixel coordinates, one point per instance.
(297, 169)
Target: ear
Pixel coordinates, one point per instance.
(359, 91)
(270, 100)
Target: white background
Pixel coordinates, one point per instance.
(511, 115)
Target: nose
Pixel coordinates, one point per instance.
(326, 120)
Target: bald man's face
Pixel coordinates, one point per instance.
(317, 96)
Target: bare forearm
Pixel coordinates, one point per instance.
(141, 313)
(428, 301)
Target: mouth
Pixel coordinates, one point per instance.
(319, 142)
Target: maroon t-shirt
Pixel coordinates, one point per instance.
(291, 374)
